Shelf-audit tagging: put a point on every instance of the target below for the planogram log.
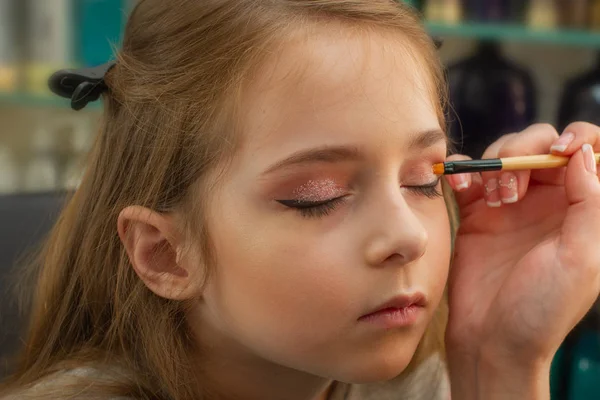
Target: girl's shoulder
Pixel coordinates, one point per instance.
(428, 381)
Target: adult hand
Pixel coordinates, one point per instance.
(527, 262)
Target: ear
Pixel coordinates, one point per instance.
(155, 248)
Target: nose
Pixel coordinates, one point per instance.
(396, 235)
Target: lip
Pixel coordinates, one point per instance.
(402, 310)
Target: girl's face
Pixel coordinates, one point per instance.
(330, 210)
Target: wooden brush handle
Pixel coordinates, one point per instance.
(537, 162)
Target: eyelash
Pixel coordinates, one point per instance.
(314, 209)
(317, 209)
(430, 191)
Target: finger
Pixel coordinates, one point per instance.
(552, 176)
(468, 187)
(507, 187)
(574, 137)
(459, 182)
(491, 179)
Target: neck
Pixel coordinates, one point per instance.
(232, 371)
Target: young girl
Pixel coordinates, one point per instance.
(259, 220)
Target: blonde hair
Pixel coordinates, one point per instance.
(166, 125)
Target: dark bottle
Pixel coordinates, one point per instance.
(489, 97)
(517, 10)
(504, 11)
(486, 11)
(580, 100)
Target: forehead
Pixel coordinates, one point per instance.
(333, 83)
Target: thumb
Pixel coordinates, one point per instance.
(581, 180)
(578, 250)
(580, 232)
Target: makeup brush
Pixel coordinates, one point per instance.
(541, 161)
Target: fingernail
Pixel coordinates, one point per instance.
(509, 188)
(492, 194)
(460, 182)
(589, 158)
(563, 142)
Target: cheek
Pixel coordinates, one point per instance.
(289, 294)
(438, 251)
(272, 282)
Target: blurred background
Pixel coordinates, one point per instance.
(510, 63)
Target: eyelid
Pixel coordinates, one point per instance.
(318, 190)
(435, 182)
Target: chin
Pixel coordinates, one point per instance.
(377, 365)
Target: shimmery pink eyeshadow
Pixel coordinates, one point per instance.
(317, 190)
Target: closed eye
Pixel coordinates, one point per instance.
(430, 190)
(312, 209)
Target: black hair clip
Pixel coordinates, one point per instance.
(438, 42)
(80, 85)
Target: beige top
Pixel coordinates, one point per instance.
(428, 382)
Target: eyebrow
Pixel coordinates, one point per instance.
(328, 154)
(332, 154)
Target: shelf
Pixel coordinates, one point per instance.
(31, 100)
(516, 33)
(470, 30)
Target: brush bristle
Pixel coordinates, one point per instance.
(438, 169)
